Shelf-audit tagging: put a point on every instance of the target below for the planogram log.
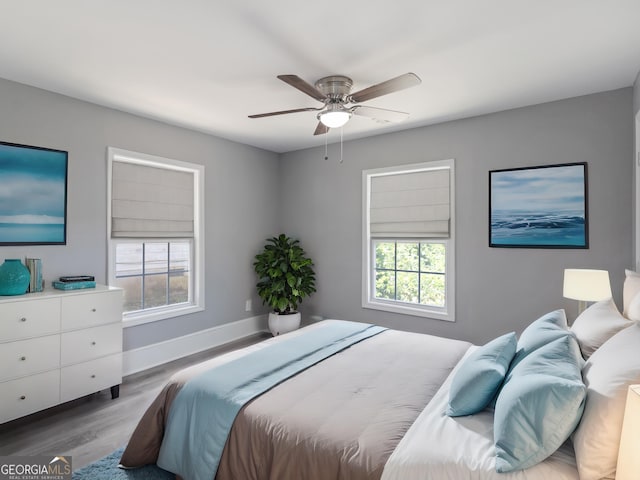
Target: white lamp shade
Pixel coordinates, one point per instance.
(628, 455)
(586, 285)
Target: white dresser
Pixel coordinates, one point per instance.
(58, 345)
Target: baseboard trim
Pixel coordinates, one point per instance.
(149, 356)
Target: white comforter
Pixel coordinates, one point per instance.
(443, 448)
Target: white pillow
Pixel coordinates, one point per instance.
(630, 290)
(633, 312)
(607, 375)
(597, 324)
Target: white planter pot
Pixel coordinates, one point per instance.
(279, 324)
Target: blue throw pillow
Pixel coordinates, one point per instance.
(542, 331)
(539, 405)
(479, 377)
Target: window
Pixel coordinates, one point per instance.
(153, 274)
(408, 258)
(156, 244)
(410, 272)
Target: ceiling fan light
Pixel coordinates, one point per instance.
(334, 118)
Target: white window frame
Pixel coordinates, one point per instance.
(447, 312)
(196, 290)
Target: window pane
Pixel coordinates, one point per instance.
(432, 289)
(179, 256)
(155, 290)
(128, 259)
(156, 257)
(385, 255)
(385, 285)
(432, 257)
(407, 257)
(179, 266)
(407, 287)
(132, 292)
(178, 288)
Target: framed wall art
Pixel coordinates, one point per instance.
(539, 207)
(33, 195)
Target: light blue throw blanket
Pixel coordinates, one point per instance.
(204, 410)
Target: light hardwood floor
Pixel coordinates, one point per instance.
(92, 427)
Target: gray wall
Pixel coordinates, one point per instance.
(636, 113)
(636, 95)
(497, 290)
(240, 201)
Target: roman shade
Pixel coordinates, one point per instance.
(412, 204)
(151, 202)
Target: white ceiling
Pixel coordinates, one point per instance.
(207, 64)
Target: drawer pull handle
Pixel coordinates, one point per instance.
(23, 358)
(93, 376)
(93, 309)
(23, 319)
(23, 397)
(93, 343)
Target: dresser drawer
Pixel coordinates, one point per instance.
(22, 319)
(89, 377)
(25, 357)
(30, 394)
(86, 310)
(82, 345)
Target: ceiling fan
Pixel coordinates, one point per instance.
(334, 93)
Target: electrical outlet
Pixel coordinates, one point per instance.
(248, 306)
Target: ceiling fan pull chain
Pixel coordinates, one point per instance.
(326, 154)
(341, 132)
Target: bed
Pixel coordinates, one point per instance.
(376, 409)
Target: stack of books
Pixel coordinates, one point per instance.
(75, 282)
(36, 283)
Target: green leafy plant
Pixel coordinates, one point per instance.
(286, 274)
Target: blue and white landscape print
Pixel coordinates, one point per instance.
(539, 207)
(32, 195)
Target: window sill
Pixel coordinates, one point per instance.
(160, 314)
(408, 309)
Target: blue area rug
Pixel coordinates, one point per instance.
(107, 469)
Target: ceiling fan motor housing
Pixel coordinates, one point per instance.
(335, 87)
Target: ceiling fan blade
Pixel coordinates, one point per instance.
(296, 82)
(395, 84)
(284, 112)
(321, 129)
(379, 114)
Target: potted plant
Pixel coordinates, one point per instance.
(286, 276)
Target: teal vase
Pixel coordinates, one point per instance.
(14, 277)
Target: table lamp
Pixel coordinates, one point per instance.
(628, 458)
(586, 285)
